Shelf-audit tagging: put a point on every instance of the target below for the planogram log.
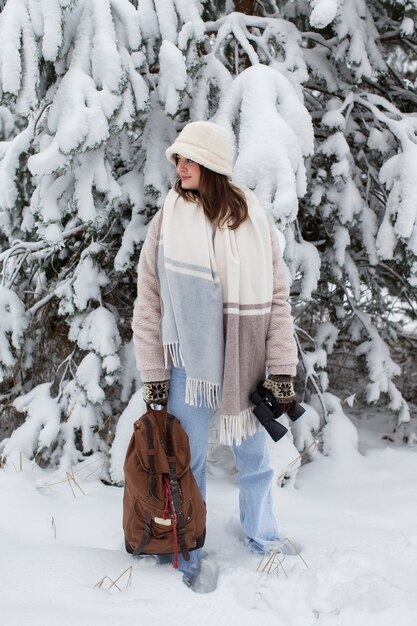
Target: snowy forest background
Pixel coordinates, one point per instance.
(321, 96)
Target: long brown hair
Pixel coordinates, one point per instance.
(221, 200)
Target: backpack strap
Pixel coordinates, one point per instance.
(175, 489)
(146, 535)
(151, 458)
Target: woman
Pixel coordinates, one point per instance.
(211, 319)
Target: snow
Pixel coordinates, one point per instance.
(303, 258)
(354, 518)
(7, 123)
(13, 18)
(77, 115)
(41, 426)
(340, 437)
(358, 34)
(369, 229)
(52, 29)
(381, 368)
(49, 160)
(88, 377)
(105, 60)
(326, 335)
(53, 234)
(321, 66)
(341, 242)
(379, 140)
(407, 26)
(88, 280)
(190, 31)
(274, 133)
(134, 233)
(324, 12)
(83, 416)
(353, 276)
(13, 323)
(159, 133)
(212, 75)
(148, 23)
(52, 196)
(172, 77)
(167, 19)
(96, 331)
(137, 82)
(9, 167)
(129, 375)
(399, 175)
(134, 409)
(334, 119)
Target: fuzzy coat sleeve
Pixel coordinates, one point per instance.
(281, 348)
(146, 323)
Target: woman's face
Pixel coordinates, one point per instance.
(189, 172)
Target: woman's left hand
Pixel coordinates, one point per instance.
(282, 387)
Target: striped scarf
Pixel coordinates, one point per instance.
(216, 291)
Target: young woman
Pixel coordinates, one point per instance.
(212, 319)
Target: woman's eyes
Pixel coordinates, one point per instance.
(190, 161)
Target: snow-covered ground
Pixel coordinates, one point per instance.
(355, 518)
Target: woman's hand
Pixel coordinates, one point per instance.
(156, 392)
(282, 387)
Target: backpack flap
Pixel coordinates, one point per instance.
(150, 441)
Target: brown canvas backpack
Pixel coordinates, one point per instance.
(163, 511)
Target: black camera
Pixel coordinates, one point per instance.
(267, 410)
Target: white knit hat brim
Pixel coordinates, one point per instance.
(205, 143)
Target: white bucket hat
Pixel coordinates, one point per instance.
(205, 143)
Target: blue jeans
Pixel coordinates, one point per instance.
(254, 472)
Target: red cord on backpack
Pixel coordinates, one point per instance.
(174, 522)
(166, 487)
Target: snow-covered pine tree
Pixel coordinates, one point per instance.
(360, 211)
(72, 69)
(105, 85)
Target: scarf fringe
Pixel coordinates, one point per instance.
(202, 393)
(173, 350)
(234, 428)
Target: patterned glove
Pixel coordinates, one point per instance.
(282, 387)
(156, 392)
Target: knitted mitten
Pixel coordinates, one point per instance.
(282, 387)
(156, 392)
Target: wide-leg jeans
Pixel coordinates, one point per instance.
(254, 472)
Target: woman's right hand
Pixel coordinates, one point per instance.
(156, 392)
